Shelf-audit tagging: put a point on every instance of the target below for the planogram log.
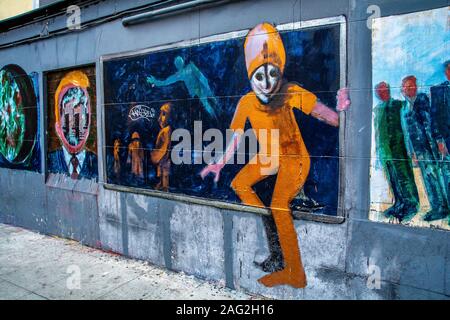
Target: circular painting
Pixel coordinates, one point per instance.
(18, 114)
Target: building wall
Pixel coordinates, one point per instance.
(11, 8)
(214, 241)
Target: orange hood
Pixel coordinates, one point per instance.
(167, 107)
(264, 45)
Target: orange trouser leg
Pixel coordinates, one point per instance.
(243, 182)
(292, 175)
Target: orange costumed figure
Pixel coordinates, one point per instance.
(269, 107)
(161, 153)
(116, 149)
(136, 155)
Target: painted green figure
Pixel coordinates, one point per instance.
(422, 147)
(195, 82)
(391, 152)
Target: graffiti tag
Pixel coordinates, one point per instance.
(141, 112)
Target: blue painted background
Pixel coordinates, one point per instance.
(312, 61)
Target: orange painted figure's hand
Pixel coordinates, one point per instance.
(343, 100)
(214, 169)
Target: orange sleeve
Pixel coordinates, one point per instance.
(301, 98)
(240, 116)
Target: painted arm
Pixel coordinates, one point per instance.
(435, 140)
(434, 135)
(170, 80)
(215, 168)
(129, 154)
(141, 153)
(378, 114)
(408, 145)
(329, 116)
(436, 102)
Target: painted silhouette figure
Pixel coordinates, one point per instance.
(195, 82)
(422, 148)
(391, 151)
(440, 115)
(117, 145)
(440, 110)
(136, 156)
(269, 106)
(161, 154)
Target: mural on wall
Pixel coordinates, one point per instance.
(72, 134)
(266, 81)
(410, 170)
(19, 119)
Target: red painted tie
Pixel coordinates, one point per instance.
(75, 163)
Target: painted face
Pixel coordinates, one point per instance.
(74, 118)
(383, 92)
(409, 88)
(266, 82)
(447, 72)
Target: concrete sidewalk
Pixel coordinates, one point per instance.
(34, 266)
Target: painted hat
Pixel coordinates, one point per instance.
(264, 45)
(166, 108)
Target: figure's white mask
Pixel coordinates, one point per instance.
(266, 81)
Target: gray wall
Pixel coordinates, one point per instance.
(220, 244)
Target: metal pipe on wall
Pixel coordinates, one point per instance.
(151, 15)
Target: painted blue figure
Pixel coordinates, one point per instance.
(422, 148)
(440, 108)
(195, 82)
(440, 115)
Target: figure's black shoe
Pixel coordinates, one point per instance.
(393, 211)
(304, 206)
(403, 212)
(436, 214)
(407, 213)
(272, 264)
(304, 203)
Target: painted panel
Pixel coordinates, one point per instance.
(212, 80)
(264, 102)
(19, 119)
(72, 129)
(410, 168)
